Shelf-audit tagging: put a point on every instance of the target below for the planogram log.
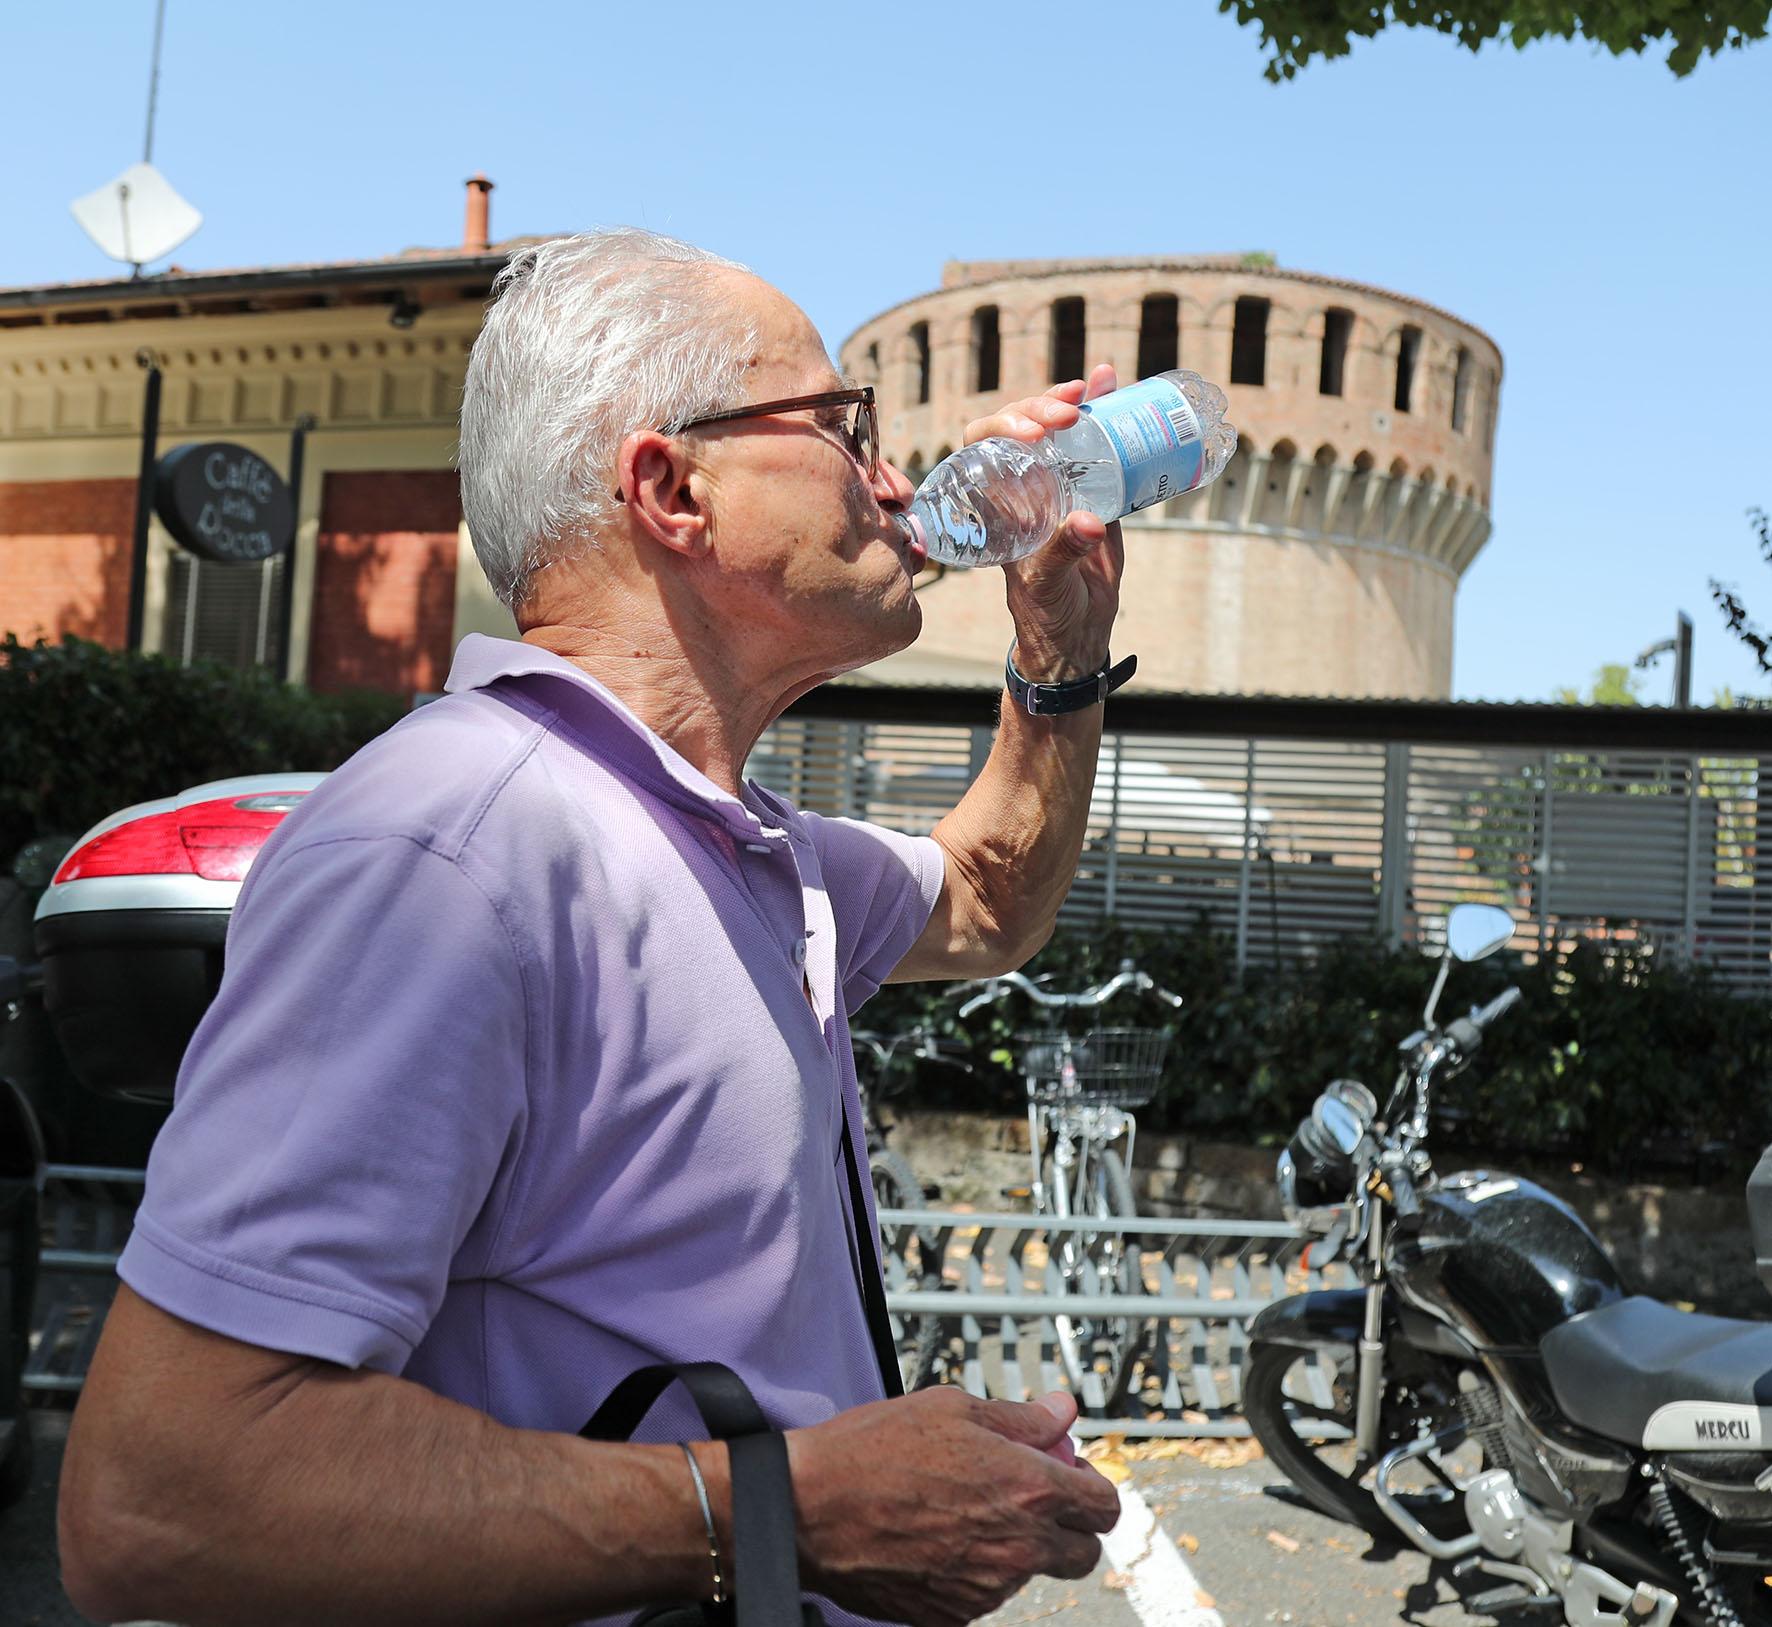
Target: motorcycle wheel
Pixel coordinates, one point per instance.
(917, 1337)
(1278, 1397)
(1100, 1354)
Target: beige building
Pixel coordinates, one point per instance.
(1326, 558)
(369, 355)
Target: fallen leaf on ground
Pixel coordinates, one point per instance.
(1283, 1542)
(1188, 1541)
(1204, 1600)
(1112, 1468)
(1117, 1581)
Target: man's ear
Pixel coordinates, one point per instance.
(654, 471)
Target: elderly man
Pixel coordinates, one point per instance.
(531, 1064)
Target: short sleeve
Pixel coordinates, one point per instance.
(348, 1113)
(883, 887)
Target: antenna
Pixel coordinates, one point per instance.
(137, 217)
(154, 80)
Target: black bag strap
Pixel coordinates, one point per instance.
(722, 1398)
(873, 1283)
(765, 1566)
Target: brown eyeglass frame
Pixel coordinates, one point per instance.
(863, 433)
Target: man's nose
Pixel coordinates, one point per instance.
(892, 487)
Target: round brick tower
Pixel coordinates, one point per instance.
(1322, 562)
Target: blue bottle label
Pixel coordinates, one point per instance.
(1157, 438)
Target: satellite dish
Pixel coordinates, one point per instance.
(137, 217)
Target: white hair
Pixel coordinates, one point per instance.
(586, 339)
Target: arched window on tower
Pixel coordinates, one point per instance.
(1491, 395)
(1069, 337)
(1338, 325)
(920, 359)
(874, 362)
(987, 350)
(1358, 499)
(1249, 341)
(1408, 349)
(1159, 335)
(1461, 391)
(1270, 502)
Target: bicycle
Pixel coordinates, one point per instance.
(897, 1186)
(1081, 1092)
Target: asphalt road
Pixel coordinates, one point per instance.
(1259, 1557)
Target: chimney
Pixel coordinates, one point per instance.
(476, 231)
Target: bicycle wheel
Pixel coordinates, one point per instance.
(906, 1258)
(1100, 1353)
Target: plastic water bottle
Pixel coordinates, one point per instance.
(1000, 499)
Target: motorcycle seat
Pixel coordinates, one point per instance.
(1611, 1368)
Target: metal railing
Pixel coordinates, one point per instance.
(1000, 1290)
(87, 1213)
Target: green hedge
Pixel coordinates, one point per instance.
(86, 730)
(1622, 1061)
(1619, 1060)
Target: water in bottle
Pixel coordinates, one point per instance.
(1000, 499)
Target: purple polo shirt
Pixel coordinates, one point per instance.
(512, 1084)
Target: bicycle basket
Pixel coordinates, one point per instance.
(1112, 1067)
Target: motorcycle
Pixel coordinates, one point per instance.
(22, 1163)
(1492, 1394)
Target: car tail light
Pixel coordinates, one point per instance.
(216, 840)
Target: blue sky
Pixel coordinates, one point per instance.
(1607, 223)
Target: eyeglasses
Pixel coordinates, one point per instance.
(862, 432)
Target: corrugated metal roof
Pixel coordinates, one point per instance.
(1743, 729)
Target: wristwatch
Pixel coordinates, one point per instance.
(1052, 700)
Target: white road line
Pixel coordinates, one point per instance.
(1160, 1587)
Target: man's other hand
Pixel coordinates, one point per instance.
(935, 1508)
(1063, 598)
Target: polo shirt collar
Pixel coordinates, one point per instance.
(481, 661)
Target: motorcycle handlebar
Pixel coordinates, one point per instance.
(1505, 1001)
(1404, 1198)
(1467, 1032)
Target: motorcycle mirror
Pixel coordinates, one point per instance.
(1474, 931)
(37, 861)
(1358, 1099)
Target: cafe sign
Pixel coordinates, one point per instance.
(223, 503)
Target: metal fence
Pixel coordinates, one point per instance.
(1000, 1290)
(1286, 842)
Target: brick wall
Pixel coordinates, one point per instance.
(384, 581)
(64, 558)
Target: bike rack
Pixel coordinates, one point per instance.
(87, 1213)
(1203, 1280)
(999, 1292)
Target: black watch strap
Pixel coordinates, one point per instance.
(1052, 700)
